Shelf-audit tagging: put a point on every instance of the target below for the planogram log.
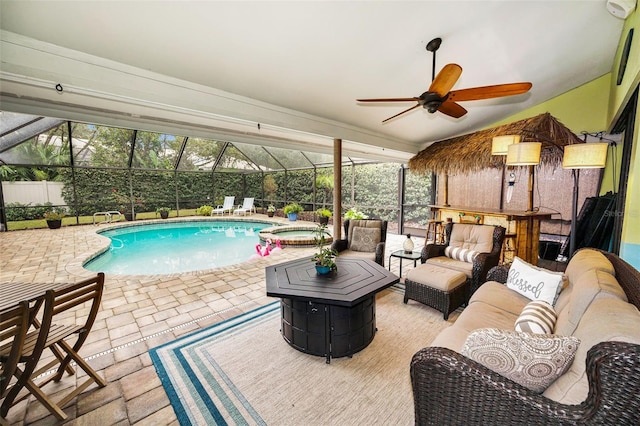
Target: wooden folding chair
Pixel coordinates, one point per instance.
(14, 324)
(55, 338)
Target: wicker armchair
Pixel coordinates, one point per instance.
(343, 246)
(481, 264)
(451, 389)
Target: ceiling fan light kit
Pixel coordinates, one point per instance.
(440, 97)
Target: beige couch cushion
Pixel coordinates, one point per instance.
(587, 260)
(606, 320)
(592, 285)
(358, 254)
(477, 315)
(498, 295)
(473, 237)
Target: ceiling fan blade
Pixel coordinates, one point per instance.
(389, 100)
(445, 79)
(452, 109)
(488, 92)
(406, 110)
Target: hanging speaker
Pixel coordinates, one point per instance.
(621, 8)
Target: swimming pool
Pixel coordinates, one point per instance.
(174, 247)
(293, 235)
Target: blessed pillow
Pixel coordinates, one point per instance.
(537, 317)
(365, 239)
(533, 282)
(458, 253)
(531, 360)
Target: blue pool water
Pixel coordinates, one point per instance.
(174, 247)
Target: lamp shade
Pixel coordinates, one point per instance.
(499, 144)
(585, 155)
(524, 154)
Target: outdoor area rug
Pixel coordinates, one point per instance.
(241, 371)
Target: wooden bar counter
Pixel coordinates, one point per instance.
(525, 225)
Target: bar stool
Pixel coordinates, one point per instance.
(508, 248)
(435, 231)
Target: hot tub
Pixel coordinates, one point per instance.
(292, 235)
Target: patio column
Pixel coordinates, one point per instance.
(337, 189)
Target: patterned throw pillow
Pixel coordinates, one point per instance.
(537, 317)
(533, 282)
(365, 239)
(457, 253)
(532, 360)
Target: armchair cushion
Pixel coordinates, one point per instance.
(472, 237)
(532, 360)
(365, 239)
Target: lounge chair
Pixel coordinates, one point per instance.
(227, 206)
(246, 207)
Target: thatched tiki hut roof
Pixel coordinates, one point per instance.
(472, 152)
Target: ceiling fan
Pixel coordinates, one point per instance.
(441, 98)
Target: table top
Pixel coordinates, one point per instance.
(13, 293)
(355, 280)
(414, 255)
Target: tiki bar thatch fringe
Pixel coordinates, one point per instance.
(472, 152)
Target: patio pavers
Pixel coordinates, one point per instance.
(138, 312)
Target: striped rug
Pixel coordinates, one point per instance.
(242, 372)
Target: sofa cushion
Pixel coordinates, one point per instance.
(585, 260)
(456, 265)
(532, 360)
(457, 253)
(533, 282)
(592, 285)
(498, 295)
(473, 237)
(606, 320)
(537, 317)
(365, 239)
(476, 315)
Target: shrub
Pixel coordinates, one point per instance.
(204, 210)
(354, 213)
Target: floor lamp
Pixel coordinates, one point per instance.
(581, 156)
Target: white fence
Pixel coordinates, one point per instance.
(33, 193)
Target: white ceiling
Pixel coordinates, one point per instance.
(318, 57)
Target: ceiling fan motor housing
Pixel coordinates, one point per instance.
(431, 101)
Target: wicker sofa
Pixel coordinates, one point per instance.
(601, 386)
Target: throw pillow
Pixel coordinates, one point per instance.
(365, 239)
(531, 360)
(537, 317)
(457, 253)
(533, 282)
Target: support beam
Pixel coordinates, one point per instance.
(337, 189)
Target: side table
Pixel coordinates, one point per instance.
(401, 254)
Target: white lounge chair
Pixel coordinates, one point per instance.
(227, 206)
(247, 206)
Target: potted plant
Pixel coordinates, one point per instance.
(271, 210)
(324, 258)
(292, 210)
(323, 215)
(354, 213)
(163, 211)
(54, 218)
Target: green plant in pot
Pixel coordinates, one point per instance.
(354, 213)
(54, 218)
(163, 212)
(324, 257)
(323, 215)
(271, 210)
(292, 210)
